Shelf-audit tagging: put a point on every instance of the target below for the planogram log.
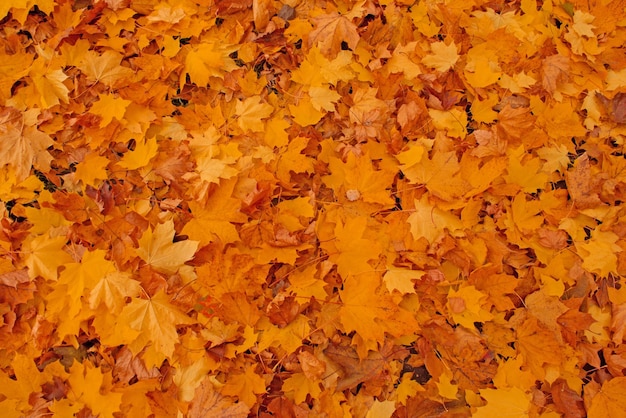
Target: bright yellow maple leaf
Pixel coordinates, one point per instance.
(142, 154)
(430, 222)
(354, 251)
(208, 59)
(92, 387)
(49, 85)
(251, 113)
(466, 306)
(364, 307)
(609, 401)
(356, 179)
(298, 386)
(512, 402)
(154, 321)
(189, 378)
(214, 219)
(45, 255)
(158, 250)
(26, 381)
(12, 70)
(92, 168)
(109, 107)
(245, 385)
(305, 113)
(453, 121)
(105, 68)
(443, 56)
(23, 146)
(112, 289)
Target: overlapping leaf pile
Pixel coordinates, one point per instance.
(331, 209)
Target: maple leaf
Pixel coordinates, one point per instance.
(209, 402)
(109, 108)
(47, 254)
(250, 113)
(443, 58)
(609, 401)
(330, 31)
(141, 155)
(92, 387)
(465, 306)
(49, 84)
(511, 402)
(25, 146)
(105, 68)
(354, 251)
(245, 386)
(155, 320)
(11, 70)
(364, 308)
(215, 219)
(298, 386)
(161, 253)
(431, 222)
(357, 176)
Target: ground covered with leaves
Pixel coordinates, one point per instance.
(268, 208)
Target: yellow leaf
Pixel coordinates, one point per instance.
(12, 69)
(24, 147)
(112, 290)
(45, 255)
(510, 374)
(105, 68)
(275, 134)
(92, 168)
(365, 307)
(207, 60)
(401, 279)
(354, 251)
(358, 174)
(189, 378)
(403, 61)
(50, 87)
(480, 70)
(251, 111)
(109, 107)
(90, 386)
(512, 402)
(245, 385)
(292, 159)
(305, 113)
(526, 174)
(292, 211)
(384, 409)
(159, 251)
(431, 222)
(525, 213)
(599, 253)
(155, 320)
(298, 386)
(26, 381)
(323, 98)
(465, 306)
(330, 31)
(610, 400)
(141, 155)
(443, 56)
(407, 388)
(445, 387)
(453, 121)
(214, 220)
